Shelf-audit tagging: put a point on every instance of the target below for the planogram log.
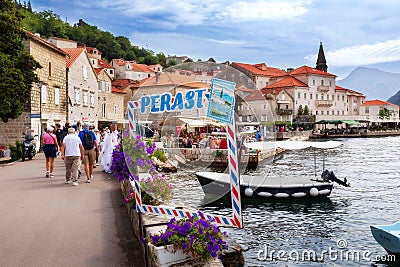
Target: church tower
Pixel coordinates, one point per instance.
(321, 61)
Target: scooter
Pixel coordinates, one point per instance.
(28, 147)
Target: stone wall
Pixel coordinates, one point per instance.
(13, 129)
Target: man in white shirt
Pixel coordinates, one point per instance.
(72, 152)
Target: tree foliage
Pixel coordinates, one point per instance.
(16, 65)
(306, 110)
(300, 110)
(384, 113)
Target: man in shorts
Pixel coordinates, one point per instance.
(90, 150)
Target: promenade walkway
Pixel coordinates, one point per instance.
(45, 222)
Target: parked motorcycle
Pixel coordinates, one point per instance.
(28, 147)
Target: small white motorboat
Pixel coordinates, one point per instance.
(388, 236)
(266, 186)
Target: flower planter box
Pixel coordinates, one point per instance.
(165, 255)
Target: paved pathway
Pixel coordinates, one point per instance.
(44, 222)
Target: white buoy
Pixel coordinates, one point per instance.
(324, 192)
(314, 192)
(248, 192)
(281, 195)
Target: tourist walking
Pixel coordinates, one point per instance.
(72, 153)
(111, 140)
(89, 142)
(50, 147)
(98, 149)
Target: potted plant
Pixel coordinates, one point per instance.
(133, 156)
(197, 237)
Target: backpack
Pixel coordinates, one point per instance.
(88, 142)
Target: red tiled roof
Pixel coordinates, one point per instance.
(273, 91)
(261, 69)
(141, 68)
(73, 54)
(375, 102)
(104, 64)
(196, 84)
(309, 70)
(255, 95)
(117, 90)
(46, 43)
(165, 78)
(121, 84)
(97, 70)
(351, 92)
(287, 82)
(90, 49)
(121, 61)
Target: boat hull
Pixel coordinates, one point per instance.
(388, 236)
(221, 187)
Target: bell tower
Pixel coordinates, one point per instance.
(321, 61)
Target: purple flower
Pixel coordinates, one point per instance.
(185, 245)
(140, 162)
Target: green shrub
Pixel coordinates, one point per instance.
(16, 150)
(160, 155)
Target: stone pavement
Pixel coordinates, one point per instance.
(44, 222)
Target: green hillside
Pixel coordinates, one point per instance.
(48, 24)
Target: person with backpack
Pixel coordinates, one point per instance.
(89, 144)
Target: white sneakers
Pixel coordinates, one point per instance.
(75, 183)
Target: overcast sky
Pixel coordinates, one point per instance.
(283, 33)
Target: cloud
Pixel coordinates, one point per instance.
(388, 51)
(194, 12)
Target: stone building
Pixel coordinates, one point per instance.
(125, 69)
(48, 102)
(82, 88)
(111, 106)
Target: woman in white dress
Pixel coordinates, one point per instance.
(110, 142)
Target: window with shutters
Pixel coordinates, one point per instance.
(57, 96)
(44, 94)
(85, 98)
(77, 96)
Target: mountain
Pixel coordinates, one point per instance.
(395, 99)
(374, 83)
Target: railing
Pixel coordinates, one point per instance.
(324, 103)
(323, 88)
(284, 111)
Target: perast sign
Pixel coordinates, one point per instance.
(220, 104)
(166, 102)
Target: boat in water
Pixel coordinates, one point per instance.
(388, 236)
(267, 186)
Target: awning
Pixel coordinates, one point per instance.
(329, 122)
(351, 122)
(193, 123)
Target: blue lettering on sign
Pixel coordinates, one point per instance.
(154, 108)
(166, 102)
(144, 103)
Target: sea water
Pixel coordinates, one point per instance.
(330, 232)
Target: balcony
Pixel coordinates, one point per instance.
(324, 103)
(323, 88)
(280, 111)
